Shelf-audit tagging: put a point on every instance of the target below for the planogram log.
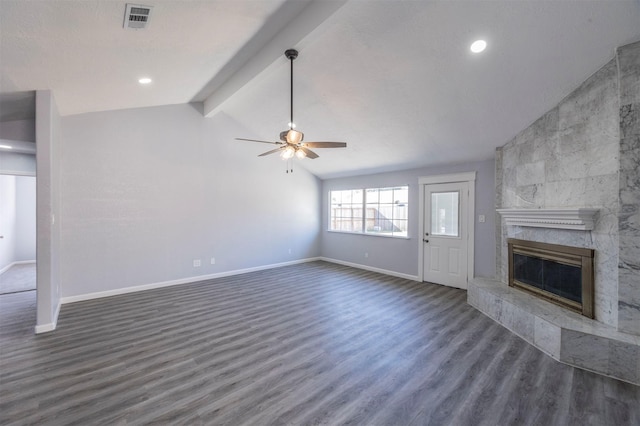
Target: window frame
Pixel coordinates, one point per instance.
(363, 206)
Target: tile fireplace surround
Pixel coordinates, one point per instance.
(566, 336)
(582, 155)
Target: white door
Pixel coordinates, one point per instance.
(445, 234)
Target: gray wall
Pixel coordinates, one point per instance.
(401, 255)
(14, 163)
(17, 163)
(18, 130)
(146, 191)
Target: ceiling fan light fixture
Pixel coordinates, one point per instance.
(300, 154)
(288, 152)
(294, 137)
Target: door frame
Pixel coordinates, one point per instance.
(470, 179)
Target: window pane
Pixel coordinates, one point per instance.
(357, 196)
(386, 195)
(372, 196)
(400, 228)
(444, 213)
(400, 211)
(401, 195)
(386, 211)
(372, 212)
(346, 210)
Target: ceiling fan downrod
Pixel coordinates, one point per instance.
(291, 54)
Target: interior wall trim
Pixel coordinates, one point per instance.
(17, 262)
(44, 328)
(187, 280)
(372, 269)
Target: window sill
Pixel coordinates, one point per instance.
(398, 237)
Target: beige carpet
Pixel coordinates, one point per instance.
(21, 277)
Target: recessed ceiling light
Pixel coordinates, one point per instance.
(478, 46)
(144, 80)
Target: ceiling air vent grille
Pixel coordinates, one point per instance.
(136, 17)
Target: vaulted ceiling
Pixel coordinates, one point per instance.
(394, 79)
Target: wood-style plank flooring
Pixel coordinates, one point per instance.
(314, 343)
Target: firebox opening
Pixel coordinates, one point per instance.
(560, 274)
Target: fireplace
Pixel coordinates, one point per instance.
(560, 274)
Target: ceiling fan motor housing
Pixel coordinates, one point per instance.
(284, 133)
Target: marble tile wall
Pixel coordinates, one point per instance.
(569, 158)
(629, 187)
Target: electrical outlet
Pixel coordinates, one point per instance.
(366, 255)
(289, 251)
(196, 263)
(481, 218)
(213, 260)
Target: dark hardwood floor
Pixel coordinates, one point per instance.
(315, 343)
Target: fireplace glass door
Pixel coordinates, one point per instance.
(560, 274)
(557, 278)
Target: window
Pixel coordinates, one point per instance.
(346, 210)
(445, 213)
(376, 211)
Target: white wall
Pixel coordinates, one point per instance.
(47, 226)
(146, 191)
(17, 219)
(401, 255)
(7, 220)
(25, 218)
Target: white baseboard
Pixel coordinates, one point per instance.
(44, 328)
(17, 262)
(188, 280)
(372, 269)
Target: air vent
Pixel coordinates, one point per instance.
(136, 17)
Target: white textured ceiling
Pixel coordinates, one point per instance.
(394, 79)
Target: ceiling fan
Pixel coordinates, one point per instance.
(290, 143)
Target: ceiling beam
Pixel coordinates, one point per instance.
(293, 21)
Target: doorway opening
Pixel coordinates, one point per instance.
(17, 233)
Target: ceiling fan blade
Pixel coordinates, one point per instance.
(255, 140)
(310, 154)
(325, 144)
(270, 152)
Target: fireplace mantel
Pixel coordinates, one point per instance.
(560, 218)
